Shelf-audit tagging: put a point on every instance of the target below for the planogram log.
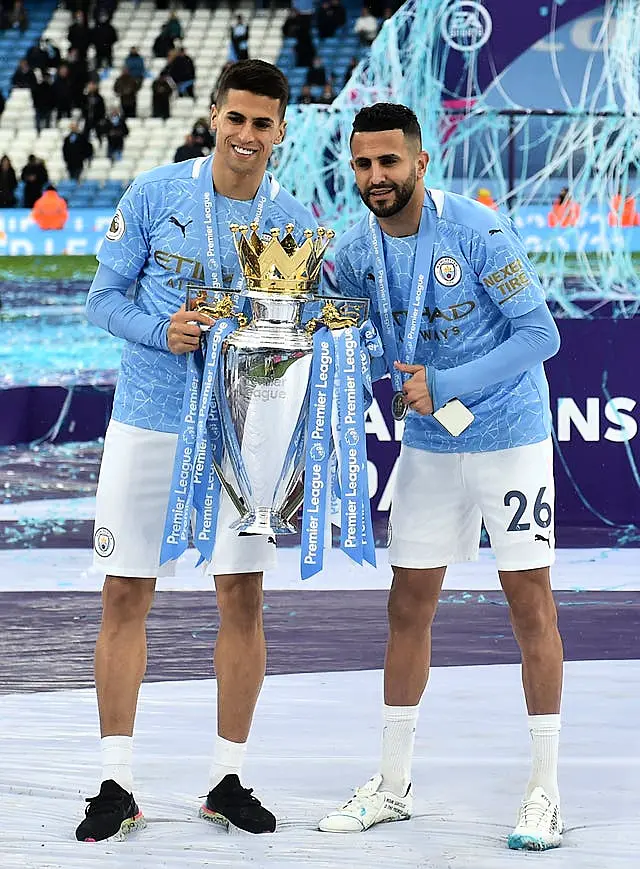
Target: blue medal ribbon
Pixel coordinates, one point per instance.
(209, 230)
(317, 453)
(419, 282)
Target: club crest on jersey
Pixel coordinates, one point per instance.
(104, 542)
(117, 227)
(447, 271)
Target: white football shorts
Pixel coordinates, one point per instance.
(440, 500)
(131, 505)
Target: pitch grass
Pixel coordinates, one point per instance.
(83, 268)
(52, 268)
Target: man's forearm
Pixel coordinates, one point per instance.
(534, 340)
(109, 308)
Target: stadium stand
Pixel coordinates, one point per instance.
(151, 141)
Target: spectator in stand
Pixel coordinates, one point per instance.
(239, 33)
(366, 27)
(35, 176)
(339, 12)
(183, 72)
(162, 89)
(352, 65)
(317, 74)
(328, 95)
(53, 53)
(201, 133)
(564, 211)
(305, 49)
(306, 97)
(76, 150)
(104, 8)
(188, 151)
(38, 57)
(127, 87)
(50, 210)
(174, 27)
(291, 24)
(623, 210)
(93, 111)
(104, 36)
(163, 43)
(8, 183)
(24, 76)
(63, 92)
(134, 62)
(44, 102)
(79, 35)
(326, 20)
(116, 131)
(78, 76)
(18, 18)
(484, 196)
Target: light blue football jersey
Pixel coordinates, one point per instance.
(479, 280)
(155, 241)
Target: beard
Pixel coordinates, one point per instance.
(398, 196)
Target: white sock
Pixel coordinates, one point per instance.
(227, 759)
(545, 738)
(398, 737)
(116, 760)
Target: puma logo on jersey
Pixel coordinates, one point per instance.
(494, 231)
(182, 226)
(545, 539)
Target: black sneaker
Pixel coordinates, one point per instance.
(230, 803)
(111, 815)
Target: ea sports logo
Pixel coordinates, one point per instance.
(466, 25)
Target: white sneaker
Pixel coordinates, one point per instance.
(539, 824)
(368, 806)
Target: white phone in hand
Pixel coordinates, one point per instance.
(454, 417)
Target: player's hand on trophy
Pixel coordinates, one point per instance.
(184, 330)
(415, 388)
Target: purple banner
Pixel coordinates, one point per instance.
(594, 400)
(594, 396)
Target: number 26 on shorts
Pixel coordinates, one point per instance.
(542, 512)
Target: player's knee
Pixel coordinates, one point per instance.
(126, 600)
(239, 599)
(410, 607)
(534, 619)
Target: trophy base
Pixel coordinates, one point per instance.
(263, 520)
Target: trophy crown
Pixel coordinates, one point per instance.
(280, 265)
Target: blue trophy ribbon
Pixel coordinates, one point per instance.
(318, 453)
(192, 484)
(175, 537)
(206, 485)
(353, 454)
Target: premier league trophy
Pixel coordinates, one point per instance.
(275, 398)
